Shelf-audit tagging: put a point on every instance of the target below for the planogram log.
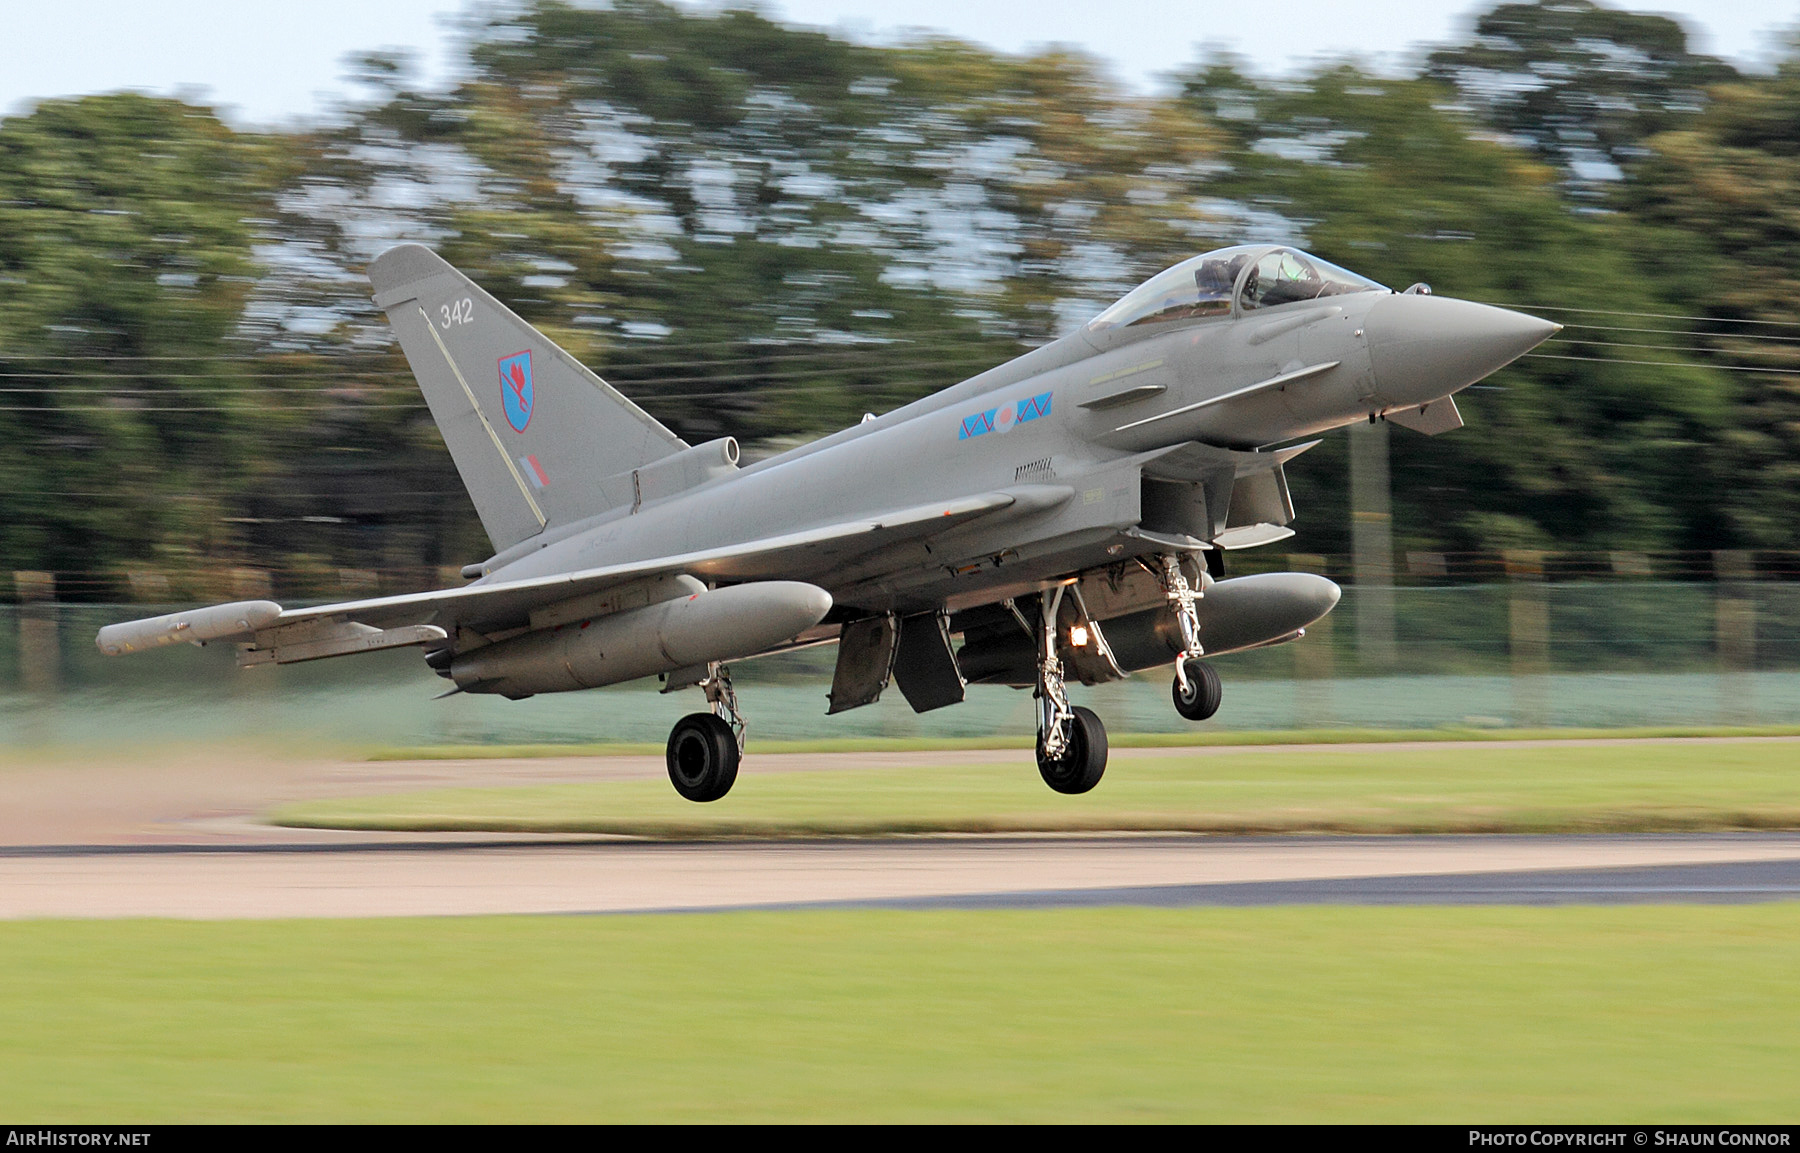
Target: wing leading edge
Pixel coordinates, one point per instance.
(419, 618)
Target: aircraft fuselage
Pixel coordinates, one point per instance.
(1076, 414)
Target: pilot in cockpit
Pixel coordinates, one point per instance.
(1216, 278)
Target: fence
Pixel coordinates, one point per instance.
(1523, 653)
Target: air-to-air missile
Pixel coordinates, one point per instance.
(1065, 514)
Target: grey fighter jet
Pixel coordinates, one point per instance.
(1063, 514)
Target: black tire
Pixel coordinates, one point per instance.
(1083, 762)
(703, 757)
(1205, 691)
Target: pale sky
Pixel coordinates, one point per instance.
(266, 63)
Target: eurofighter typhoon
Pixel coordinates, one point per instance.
(1062, 514)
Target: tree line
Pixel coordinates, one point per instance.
(767, 231)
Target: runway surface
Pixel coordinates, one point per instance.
(1713, 884)
(395, 879)
(119, 837)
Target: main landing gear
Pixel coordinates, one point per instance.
(1197, 690)
(1071, 744)
(1082, 761)
(705, 748)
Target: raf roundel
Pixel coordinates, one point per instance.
(1004, 418)
(516, 395)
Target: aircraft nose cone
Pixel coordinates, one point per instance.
(1424, 347)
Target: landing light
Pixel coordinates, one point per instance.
(1078, 636)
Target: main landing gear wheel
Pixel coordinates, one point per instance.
(703, 757)
(1083, 758)
(1199, 698)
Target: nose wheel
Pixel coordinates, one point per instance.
(1197, 690)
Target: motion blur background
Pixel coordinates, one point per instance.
(765, 230)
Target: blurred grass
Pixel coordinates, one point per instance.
(1204, 739)
(1445, 1015)
(1500, 787)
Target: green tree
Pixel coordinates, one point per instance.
(1723, 195)
(1579, 83)
(125, 262)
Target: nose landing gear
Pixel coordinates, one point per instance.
(1197, 689)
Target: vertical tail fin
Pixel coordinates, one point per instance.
(535, 435)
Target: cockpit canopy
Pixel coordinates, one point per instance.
(1260, 276)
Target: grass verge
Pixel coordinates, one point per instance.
(1500, 787)
(1622, 1015)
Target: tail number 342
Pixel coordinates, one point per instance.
(456, 312)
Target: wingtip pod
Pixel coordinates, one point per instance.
(239, 619)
